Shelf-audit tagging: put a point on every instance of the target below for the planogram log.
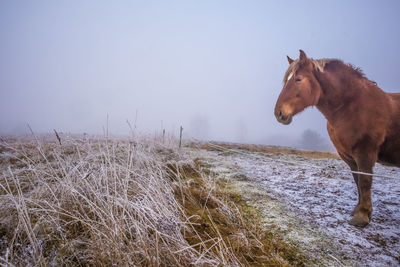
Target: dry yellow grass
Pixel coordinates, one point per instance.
(270, 149)
(95, 201)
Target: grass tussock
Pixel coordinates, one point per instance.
(223, 223)
(106, 202)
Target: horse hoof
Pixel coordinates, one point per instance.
(359, 222)
(354, 211)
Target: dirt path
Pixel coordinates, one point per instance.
(311, 206)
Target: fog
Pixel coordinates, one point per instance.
(213, 67)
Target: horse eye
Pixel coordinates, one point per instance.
(298, 79)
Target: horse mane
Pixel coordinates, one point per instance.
(320, 64)
(356, 71)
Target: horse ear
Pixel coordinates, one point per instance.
(303, 55)
(289, 60)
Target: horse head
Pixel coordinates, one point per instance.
(300, 90)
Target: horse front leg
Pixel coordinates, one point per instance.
(363, 211)
(353, 167)
(355, 176)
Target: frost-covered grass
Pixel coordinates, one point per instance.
(89, 201)
(133, 201)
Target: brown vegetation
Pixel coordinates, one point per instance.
(121, 202)
(272, 150)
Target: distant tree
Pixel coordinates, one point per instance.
(311, 140)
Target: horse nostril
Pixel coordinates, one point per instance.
(280, 114)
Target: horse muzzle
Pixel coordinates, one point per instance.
(284, 119)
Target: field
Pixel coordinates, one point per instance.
(84, 200)
(308, 197)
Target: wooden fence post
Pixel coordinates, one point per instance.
(163, 136)
(58, 137)
(180, 137)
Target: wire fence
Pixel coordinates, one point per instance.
(297, 163)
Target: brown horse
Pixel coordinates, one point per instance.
(363, 120)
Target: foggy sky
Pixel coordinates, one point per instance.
(214, 67)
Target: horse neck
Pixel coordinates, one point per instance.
(338, 91)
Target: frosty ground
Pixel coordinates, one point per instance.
(309, 202)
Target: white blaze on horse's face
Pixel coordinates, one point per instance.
(289, 77)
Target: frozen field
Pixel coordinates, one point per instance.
(310, 202)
